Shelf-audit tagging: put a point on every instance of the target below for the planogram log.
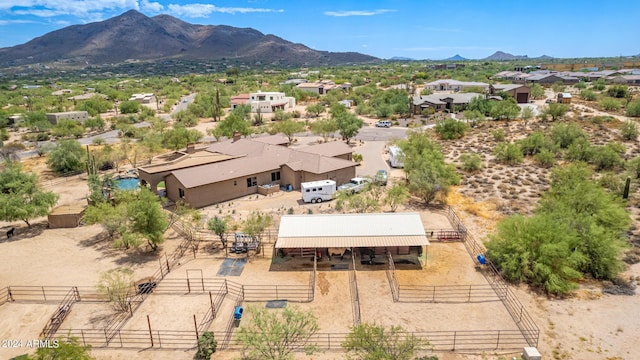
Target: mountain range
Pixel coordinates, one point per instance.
(134, 36)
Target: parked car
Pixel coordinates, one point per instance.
(383, 123)
(549, 101)
(381, 177)
(354, 185)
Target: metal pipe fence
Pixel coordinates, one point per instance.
(516, 310)
(393, 279)
(5, 296)
(447, 293)
(61, 312)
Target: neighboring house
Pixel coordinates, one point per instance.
(347, 103)
(79, 116)
(15, 119)
(454, 85)
(270, 101)
(564, 98)
(61, 92)
(548, 79)
(237, 167)
(521, 93)
(87, 96)
(294, 82)
(240, 99)
(141, 98)
(321, 87)
(624, 79)
(442, 102)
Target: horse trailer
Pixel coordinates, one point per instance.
(317, 191)
(396, 157)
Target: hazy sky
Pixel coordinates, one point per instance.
(422, 29)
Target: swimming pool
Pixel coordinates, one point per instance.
(132, 183)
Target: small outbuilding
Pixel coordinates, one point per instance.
(364, 234)
(564, 98)
(66, 216)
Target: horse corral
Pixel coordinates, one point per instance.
(188, 298)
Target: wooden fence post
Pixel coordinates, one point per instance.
(150, 333)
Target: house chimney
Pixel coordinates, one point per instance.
(191, 148)
(236, 136)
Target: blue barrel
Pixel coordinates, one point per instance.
(289, 187)
(237, 313)
(481, 259)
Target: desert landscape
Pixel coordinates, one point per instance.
(75, 257)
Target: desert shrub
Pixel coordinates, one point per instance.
(566, 134)
(633, 108)
(614, 182)
(581, 85)
(508, 153)
(599, 85)
(471, 162)
(536, 142)
(580, 150)
(357, 157)
(207, 345)
(450, 129)
(618, 91)
(601, 119)
(545, 158)
(633, 167)
(498, 135)
(606, 158)
(629, 130)
(588, 95)
(609, 103)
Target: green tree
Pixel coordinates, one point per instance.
(348, 125)
(315, 109)
(599, 85)
(233, 123)
(67, 157)
(178, 137)
(427, 173)
(376, 342)
(147, 218)
(450, 129)
(277, 334)
(505, 109)
(558, 87)
(618, 91)
(112, 218)
(69, 348)
(397, 194)
(526, 115)
(537, 92)
(95, 105)
(324, 128)
(555, 111)
(129, 107)
(566, 134)
(473, 117)
(219, 227)
(287, 127)
(480, 104)
(21, 198)
(256, 223)
(118, 287)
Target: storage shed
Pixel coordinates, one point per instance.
(66, 216)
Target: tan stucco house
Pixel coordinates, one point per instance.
(237, 167)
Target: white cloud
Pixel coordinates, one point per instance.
(153, 7)
(204, 10)
(358, 12)
(10, 22)
(80, 8)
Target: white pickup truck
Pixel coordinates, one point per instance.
(354, 185)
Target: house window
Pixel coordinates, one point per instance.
(181, 193)
(275, 176)
(252, 181)
(235, 183)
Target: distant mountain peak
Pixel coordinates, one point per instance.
(133, 35)
(456, 57)
(501, 55)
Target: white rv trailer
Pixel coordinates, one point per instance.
(396, 157)
(317, 191)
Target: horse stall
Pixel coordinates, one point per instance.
(66, 216)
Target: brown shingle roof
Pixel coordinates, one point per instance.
(331, 149)
(256, 157)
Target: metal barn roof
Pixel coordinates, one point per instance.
(351, 230)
